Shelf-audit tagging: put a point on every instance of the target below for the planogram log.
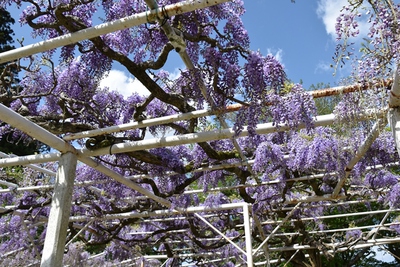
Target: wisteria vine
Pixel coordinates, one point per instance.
(60, 91)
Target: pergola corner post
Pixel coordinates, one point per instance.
(56, 233)
(394, 121)
(247, 232)
(394, 112)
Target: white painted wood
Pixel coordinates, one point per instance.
(119, 178)
(59, 144)
(34, 167)
(184, 116)
(394, 97)
(394, 121)
(369, 140)
(126, 22)
(219, 134)
(277, 228)
(220, 233)
(247, 233)
(16, 120)
(26, 160)
(56, 232)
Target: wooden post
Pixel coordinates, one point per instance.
(394, 121)
(247, 234)
(56, 233)
(394, 112)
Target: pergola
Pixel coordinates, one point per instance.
(253, 252)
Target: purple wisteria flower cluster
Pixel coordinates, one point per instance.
(288, 176)
(379, 51)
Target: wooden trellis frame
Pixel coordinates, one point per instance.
(68, 155)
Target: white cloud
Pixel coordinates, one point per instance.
(329, 10)
(117, 80)
(277, 53)
(176, 73)
(323, 67)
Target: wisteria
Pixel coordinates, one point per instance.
(381, 45)
(295, 179)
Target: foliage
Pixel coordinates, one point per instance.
(381, 46)
(9, 72)
(325, 105)
(6, 31)
(60, 91)
(11, 141)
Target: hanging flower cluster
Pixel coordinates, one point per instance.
(273, 172)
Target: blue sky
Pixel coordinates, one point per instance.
(299, 34)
